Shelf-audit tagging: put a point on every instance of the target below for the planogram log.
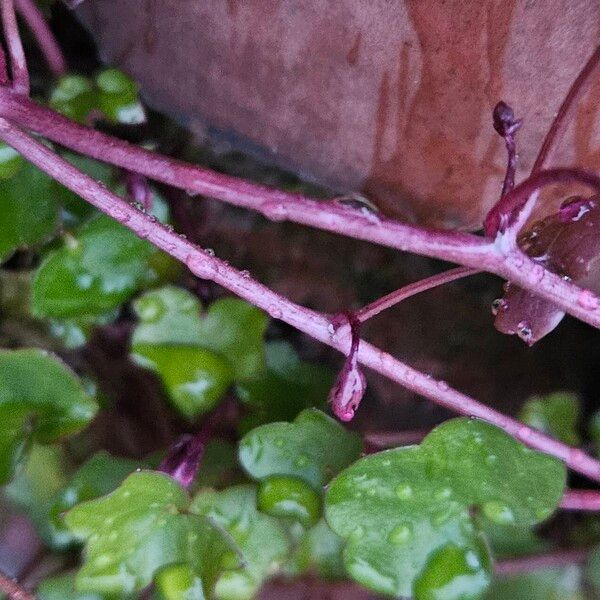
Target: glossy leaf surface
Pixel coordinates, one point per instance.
(140, 528)
(92, 273)
(40, 400)
(314, 447)
(197, 357)
(262, 540)
(28, 208)
(405, 512)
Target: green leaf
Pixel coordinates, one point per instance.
(140, 528)
(289, 498)
(320, 553)
(29, 210)
(261, 539)
(511, 540)
(197, 357)
(231, 327)
(286, 387)
(194, 378)
(33, 489)
(178, 582)
(40, 400)
(99, 475)
(405, 512)
(544, 584)
(62, 587)
(556, 414)
(312, 448)
(118, 98)
(10, 161)
(74, 96)
(74, 333)
(92, 273)
(592, 570)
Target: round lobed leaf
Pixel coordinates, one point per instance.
(314, 447)
(262, 541)
(138, 529)
(289, 498)
(40, 400)
(92, 273)
(29, 210)
(404, 513)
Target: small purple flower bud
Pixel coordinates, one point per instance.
(505, 123)
(350, 386)
(346, 394)
(183, 461)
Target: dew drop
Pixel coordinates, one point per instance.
(401, 534)
(404, 491)
(498, 512)
(302, 460)
(245, 274)
(274, 311)
(499, 304)
(588, 300)
(443, 494)
(525, 332)
(443, 385)
(491, 459)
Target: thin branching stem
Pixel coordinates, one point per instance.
(43, 35)
(453, 246)
(18, 63)
(525, 564)
(581, 500)
(578, 88)
(412, 289)
(310, 322)
(13, 590)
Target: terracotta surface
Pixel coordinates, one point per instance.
(389, 96)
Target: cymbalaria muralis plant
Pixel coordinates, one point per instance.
(300, 494)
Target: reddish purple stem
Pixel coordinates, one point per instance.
(458, 247)
(507, 209)
(581, 500)
(18, 64)
(412, 289)
(525, 564)
(314, 324)
(506, 126)
(43, 35)
(576, 91)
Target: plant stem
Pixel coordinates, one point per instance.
(13, 590)
(412, 289)
(310, 322)
(458, 247)
(43, 35)
(581, 500)
(18, 64)
(526, 564)
(576, 91)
